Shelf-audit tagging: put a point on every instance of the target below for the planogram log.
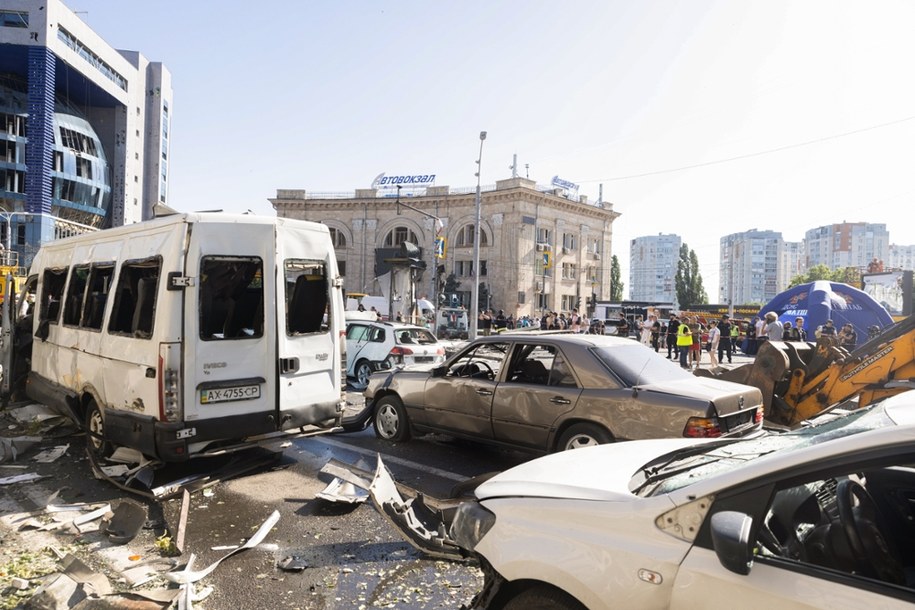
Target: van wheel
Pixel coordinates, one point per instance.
(363, 372)
(583, 435)
(391, 421)
(95, 429)
(543, 598)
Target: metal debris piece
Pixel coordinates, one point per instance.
(33, 412)
(344, 492)
(117, 470)
(125, 523)
(11, 447)
(80, 523)
(188, 576)
(291, 563)
(20, 478)
(50, 455)
(75, 569)
(182, 520)
(126, 455)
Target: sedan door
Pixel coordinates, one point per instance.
(460, 401)
(538, 388)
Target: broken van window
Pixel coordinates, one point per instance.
(135, 298)
(52, 293)
(97, 295)
(231, 297)
(73, 306)
(306, 297)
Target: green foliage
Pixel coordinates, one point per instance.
(846, 275)
(688, 280)
(616, 281)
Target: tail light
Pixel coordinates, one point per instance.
(170, 382)
(760, 415)
(702, 427)
(397, 354)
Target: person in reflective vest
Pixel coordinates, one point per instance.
(684, 342)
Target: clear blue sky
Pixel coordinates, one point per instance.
(700, 118)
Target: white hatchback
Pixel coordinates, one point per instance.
(820, 517)
(373, 346)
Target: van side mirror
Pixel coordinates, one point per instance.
(731, 540)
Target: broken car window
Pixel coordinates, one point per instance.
(52, 293)
(306, 297)
(135, 298)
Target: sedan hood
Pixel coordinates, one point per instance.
(593, 473)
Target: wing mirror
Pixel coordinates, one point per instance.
(731, 539)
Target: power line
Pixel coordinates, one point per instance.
(753, 154)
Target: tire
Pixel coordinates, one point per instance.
(95, 431)
(583, 435)
(390, 421)
(362, 372)
(543, 598)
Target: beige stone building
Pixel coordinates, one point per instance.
(539, 249)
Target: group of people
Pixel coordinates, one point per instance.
(688, 337)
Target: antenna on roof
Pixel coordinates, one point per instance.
(514, 165)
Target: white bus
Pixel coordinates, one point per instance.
(187, 333)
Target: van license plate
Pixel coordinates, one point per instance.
(245, 392)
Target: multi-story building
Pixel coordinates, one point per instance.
(900, 257)
(749, 267)
(847, 244)
(540, 249)
(792, 263)
(83, 127)
(653, 268)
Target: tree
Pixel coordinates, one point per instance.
(846, 275)
(688, 280)
(616, 282)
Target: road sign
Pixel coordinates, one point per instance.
(440, 247)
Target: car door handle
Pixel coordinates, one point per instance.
(559, 400)
(484, 392)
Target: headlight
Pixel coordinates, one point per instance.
(470, 524)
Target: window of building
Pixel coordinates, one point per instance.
(543, 299)
(465, 236)
(465, 268)
(341, 267)
(569, 271)
(14, 19)
(568, 241)
(398, 236)
(231, 298)
(337, 237)
(544, 236)
(569, 302)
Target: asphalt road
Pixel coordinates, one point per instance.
(352, 557)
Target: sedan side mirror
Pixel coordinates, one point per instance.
(731, 539)
(439, 371)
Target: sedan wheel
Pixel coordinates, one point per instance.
(583, 435)
(363, 372)
(391, 422)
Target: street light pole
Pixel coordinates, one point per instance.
(475, 296)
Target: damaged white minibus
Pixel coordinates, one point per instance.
(186, 334)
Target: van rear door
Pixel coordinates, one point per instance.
(310, 325)
(230, 371)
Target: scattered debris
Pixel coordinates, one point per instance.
(11, 447)
(342, 491)
(81, 522)
(182, 520)
(125, 523)
(189, 576)
(20, 478)
(292, 563)
(51, 455)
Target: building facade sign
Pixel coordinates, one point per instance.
(415, 180)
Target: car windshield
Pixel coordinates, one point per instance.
(636, 364)
(686, 466)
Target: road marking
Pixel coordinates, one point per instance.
(445, 474)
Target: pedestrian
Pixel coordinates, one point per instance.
(695, 350)
(575, 321)
(724, 330)
(486, 322)
(361, 307)
(644, 330)
(623, 328)
(714, 343)
(734, 339)
(848, 338)
(774, 328)
(799, 326)
(655, 329)
(829, 329)
(684, 342)
(672, 347)
(751, 343)
(789, 333)
(500, 322)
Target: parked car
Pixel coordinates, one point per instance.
(549, 392)
(820, 517)
(372, 346)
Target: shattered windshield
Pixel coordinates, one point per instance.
(684, 467)
(635, 364)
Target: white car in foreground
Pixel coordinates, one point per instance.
(821, 517)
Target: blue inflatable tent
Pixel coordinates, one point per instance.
(819, 301)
